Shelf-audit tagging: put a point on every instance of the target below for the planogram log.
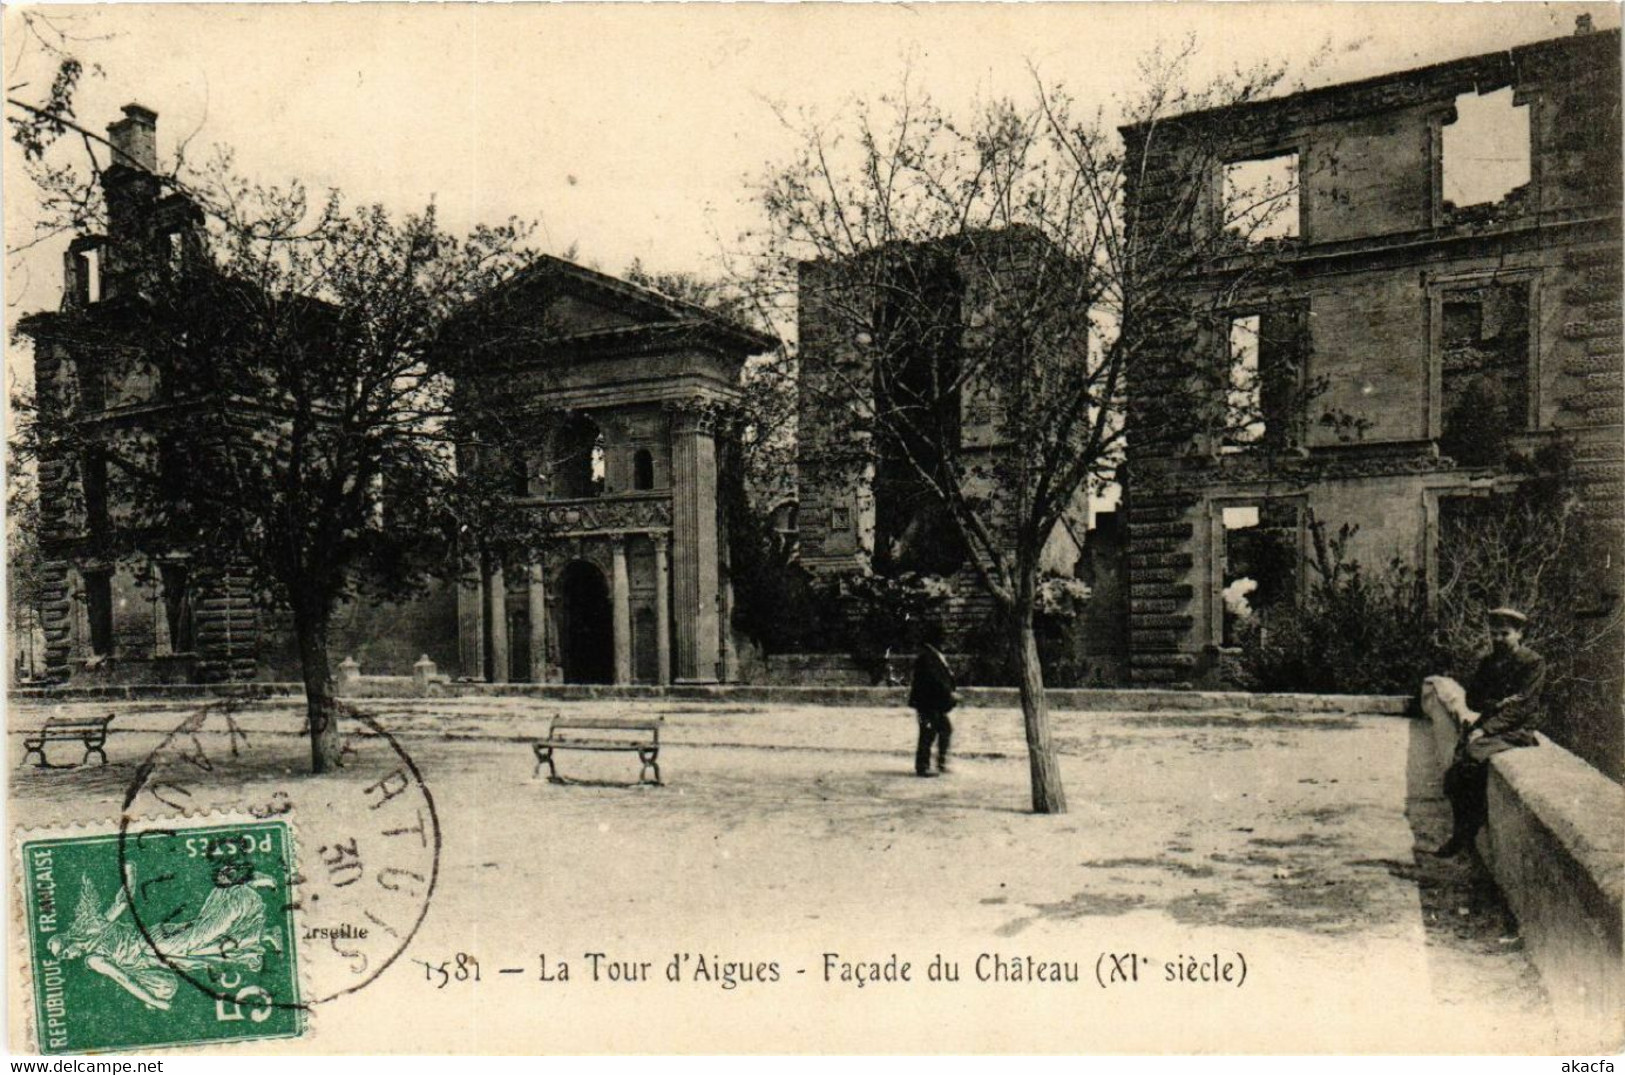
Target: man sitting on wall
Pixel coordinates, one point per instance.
(1502, 711)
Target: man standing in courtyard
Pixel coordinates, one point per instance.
(932, 695)
(1503, 703)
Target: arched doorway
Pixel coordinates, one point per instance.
(586, 633)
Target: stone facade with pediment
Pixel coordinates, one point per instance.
(629, 584)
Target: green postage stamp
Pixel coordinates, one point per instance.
(163, 936)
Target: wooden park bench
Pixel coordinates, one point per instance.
(601, 733)
(91, 732)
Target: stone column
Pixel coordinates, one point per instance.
(538, 624)
(694, 546)
(662, 609)
(620, 596)
(470, 626)
(496, 598)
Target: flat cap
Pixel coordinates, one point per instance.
(1509, 616)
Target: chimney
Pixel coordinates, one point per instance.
(135, 138)
(1582, 25)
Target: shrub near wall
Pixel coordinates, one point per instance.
(1531, 546)
(1534, 546)
(1353, 632)
(1063, 641)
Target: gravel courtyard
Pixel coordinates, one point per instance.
(1194, 841)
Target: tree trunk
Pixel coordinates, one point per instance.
(321, 700)
(1048, 795)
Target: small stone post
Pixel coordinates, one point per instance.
(423, 674)
(349, 675)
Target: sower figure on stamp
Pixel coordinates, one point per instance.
(932, 695)
(1502, 712)
(229, 931)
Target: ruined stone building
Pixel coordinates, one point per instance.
(1438, 288)
(630, 584)
(902, 327)
(106, 617)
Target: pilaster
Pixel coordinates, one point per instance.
(662, 609)
(471, 626)
(537, 593)
(694, 545)
(496, 603)
(620, 597)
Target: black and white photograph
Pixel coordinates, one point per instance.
(814, 529)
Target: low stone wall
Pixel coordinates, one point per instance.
(1555, 844)
(377, 687)
(839, 669)
(1126, 700)
(824, 669)
(157, 692)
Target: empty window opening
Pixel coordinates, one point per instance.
(1484, 371)
(1261, 198)
(598, 466)
(93, 479)
(1259, 564)
(177, 607)
(174, 472)
(519, 474)
(578, 463)
(1244, 400)
(1485, 152)
(786, 526)
(91, 381)
(1266, 355)
(87, 281)
(1468, 546)
(643, 470)
(99, 612)
(784, 518)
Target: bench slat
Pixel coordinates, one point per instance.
(606, 722)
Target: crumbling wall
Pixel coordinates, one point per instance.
(851, 498)
(834, 472)
(1379, 259)
(1370, 175)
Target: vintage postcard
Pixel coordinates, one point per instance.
(816, 529)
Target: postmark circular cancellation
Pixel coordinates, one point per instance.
(261, 888)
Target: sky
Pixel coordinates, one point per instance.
(634, 130)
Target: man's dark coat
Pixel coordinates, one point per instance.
(1505, 692)
(932, 690)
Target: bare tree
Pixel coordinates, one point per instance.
(301, 426)
(976, 293)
